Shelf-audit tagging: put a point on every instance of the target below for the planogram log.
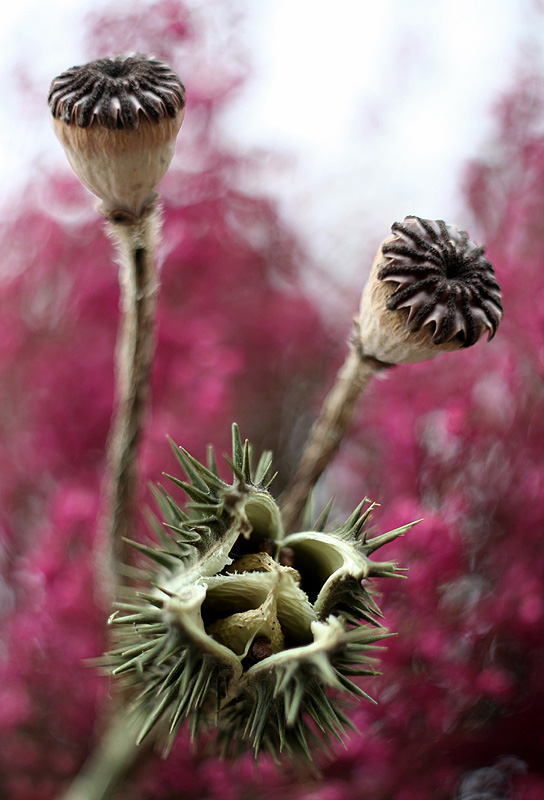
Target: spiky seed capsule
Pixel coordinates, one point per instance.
(430, 290)
(250, 629)
(118, 118)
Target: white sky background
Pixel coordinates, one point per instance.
(376, 105)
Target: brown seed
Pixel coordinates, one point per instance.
(267, 546)
(287, 557)
(261, 648)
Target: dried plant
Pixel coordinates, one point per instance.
(117, 119)
(248, 628)
(254, 620)
(430, 290)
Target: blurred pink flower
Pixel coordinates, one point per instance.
(458, 442)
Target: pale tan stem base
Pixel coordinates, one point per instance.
(136, 241)
(111, 761)
(328, 432)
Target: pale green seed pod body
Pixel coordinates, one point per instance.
(122, 168)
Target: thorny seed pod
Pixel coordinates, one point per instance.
(430, 290)
(233, 638)
(117, 119)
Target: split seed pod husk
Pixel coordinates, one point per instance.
(430, 291)
(117, 119)
(243, 629)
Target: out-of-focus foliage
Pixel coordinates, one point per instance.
(459, 442)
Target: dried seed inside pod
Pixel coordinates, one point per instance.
(118, 118)
(430, 290)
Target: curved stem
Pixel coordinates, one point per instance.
(136, 241)
(328, 431)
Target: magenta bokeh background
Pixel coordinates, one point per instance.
(458, 442)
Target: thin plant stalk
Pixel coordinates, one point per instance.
(111, 761)
(136, 240)
(329, 429)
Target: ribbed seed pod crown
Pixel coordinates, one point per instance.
(117, 119)
(430, 290)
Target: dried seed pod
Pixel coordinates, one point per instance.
(279, 698)
(236, 639)
(430, 290)
(333, 566)
(246, 603)
(117, 119)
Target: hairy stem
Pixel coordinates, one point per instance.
(329, 430)
(136, 241)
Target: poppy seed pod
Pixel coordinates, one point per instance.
(117, 119)
(430, 290)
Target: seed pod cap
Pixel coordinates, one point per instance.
(118, 118)
(430, 290)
